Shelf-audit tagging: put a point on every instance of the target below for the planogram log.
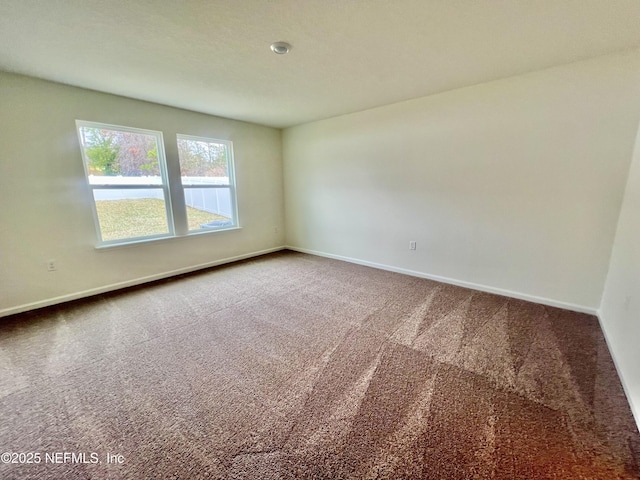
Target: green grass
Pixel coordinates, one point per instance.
(140, 217)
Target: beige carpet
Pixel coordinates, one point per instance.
(293, 366)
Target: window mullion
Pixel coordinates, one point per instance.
(178, 205)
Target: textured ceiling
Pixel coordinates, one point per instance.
(348, 55)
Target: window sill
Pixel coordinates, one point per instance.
(146, 241)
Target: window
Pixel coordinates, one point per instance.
(206, 168)
(127, 173)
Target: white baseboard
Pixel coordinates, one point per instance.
(634, 408)
(453, 281)
(130, 283)
(193, 268)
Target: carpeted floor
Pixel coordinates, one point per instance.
(292, 366)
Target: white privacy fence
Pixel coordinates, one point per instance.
(213, 200)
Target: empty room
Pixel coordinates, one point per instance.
(319, 239)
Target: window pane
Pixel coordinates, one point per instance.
(209, 208)
(203, 162)
(129, 213)
(125, 160)
(120, 157)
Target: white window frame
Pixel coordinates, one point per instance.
(176, 213)
(231, 185)
(165, 186)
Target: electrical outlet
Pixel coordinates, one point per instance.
(412, 245)
(51, 265)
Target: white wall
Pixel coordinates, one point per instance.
(513, 185)
(44, 202)
(620, 310)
